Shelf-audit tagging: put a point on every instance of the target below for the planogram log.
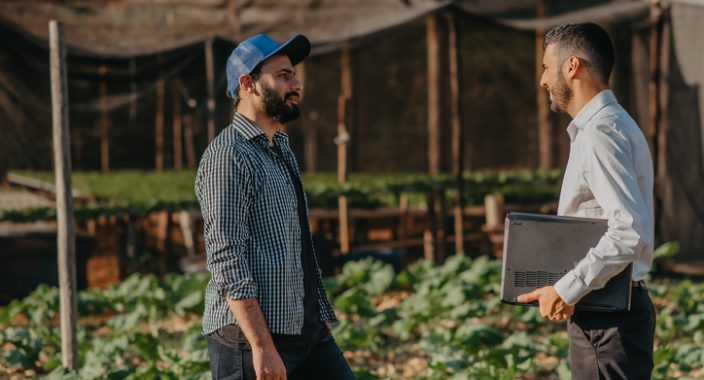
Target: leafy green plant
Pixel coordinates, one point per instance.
(446, 316)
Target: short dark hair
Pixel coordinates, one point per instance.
(587, 40)
(255, 74)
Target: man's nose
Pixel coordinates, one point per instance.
(543, 82)
(297, 85)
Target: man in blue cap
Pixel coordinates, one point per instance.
(267, 315)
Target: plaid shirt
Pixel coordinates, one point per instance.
(252, 229)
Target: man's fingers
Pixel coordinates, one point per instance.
(529, 297)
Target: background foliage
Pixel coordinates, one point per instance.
(426, 322)
(138, 192)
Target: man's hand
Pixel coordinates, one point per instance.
(552, 306)
(268, 364)
(266, 360)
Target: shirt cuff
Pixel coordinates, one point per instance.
(571, 288)
(239, 291)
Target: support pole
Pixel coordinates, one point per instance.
(456, 120)
(188, 135)
(341, 141)
(655, 137)
(433, 95)
(159, 125)
(66, 240)
(541, 96)
(431, 226)
(104, 122)
(654, 82)
(210, 75)
(177, 125)
(133, 89)
(310, 145)
(433, 57)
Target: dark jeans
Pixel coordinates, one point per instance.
(613, 345)
(230, 360)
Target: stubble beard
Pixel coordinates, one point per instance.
(561, 95)
(276, 108)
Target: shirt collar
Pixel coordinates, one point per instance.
(590, 109)
(252, 132)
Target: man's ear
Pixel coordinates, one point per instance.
(572, 66)
(247, 84)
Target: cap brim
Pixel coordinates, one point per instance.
(297, 48)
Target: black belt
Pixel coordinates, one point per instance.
(638, 284)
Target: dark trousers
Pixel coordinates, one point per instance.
(618, 345)
(321, 360)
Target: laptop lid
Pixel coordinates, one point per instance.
(540, 249)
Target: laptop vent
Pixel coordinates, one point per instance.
(532, 279)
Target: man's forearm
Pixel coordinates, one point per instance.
(251, 320)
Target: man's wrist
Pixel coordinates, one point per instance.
(569, 288)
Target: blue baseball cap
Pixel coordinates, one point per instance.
(255, 50)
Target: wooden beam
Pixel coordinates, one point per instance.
(429, 235)
(210, 77)
(456, 122)
(66, 239)
(188, 136)
(341, 141)
(177, 125)
(440, 211)
(494, 227)
(654, 81)
(433, 51)
(159, 125)
(545, 160)
(104, 122)
(133, 88)
(310, 145)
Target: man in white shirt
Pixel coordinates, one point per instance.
(609, 175)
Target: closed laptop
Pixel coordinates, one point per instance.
(540, 249)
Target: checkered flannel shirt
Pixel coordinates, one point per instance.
(252, 229)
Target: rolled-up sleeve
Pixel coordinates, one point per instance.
(225, 189)
(611, 177)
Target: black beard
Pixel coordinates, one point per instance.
(277, 109)
(561, 94)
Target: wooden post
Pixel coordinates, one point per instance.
(133, 89)
(310, 147)
(104, 122)
(456, 120)
(185, 221)
(403, 205)
(159, 125)
(654, 82)
(66, 240)
(234, 18)
(541, 96)
(188, 136)
(430, 227)
(440, 230)
(210, 76)
(177, 127)
(341, 141)
(494, 227)
(433, 95)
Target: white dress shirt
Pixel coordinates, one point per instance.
(609, 175)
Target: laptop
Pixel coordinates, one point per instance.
(540, 249)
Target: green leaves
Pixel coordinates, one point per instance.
(142, 328)
(447, 316)
(139, 192)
